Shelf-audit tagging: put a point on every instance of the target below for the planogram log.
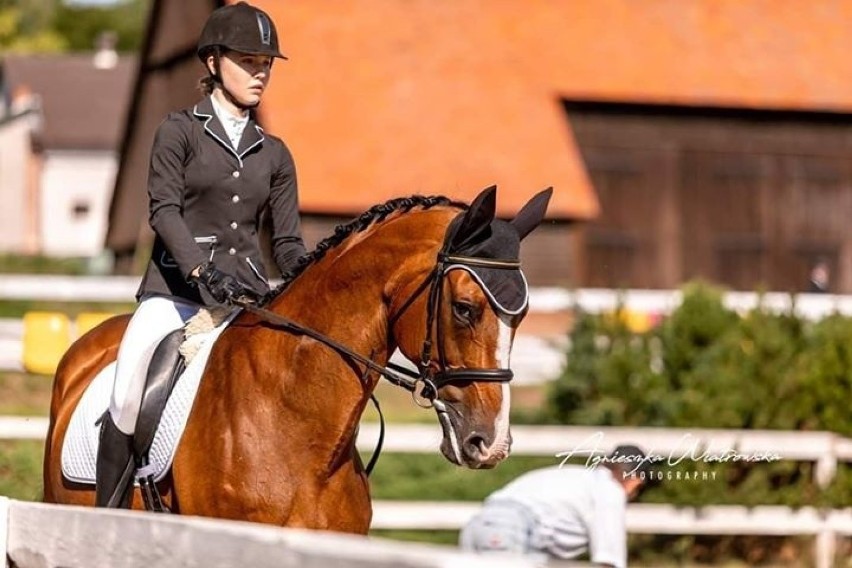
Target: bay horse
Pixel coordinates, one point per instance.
(271, 434)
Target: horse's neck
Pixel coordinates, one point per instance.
(345, 293)
(344, 296)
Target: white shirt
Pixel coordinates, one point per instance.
(577, 509)
(234, 125)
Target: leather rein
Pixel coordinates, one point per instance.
(426, 383)
(423, 385)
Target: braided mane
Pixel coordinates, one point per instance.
(365, 220)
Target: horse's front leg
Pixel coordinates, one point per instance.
(340, 503)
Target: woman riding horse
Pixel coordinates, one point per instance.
(212, 173)
(271, 434)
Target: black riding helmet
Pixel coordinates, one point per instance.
(239, 27)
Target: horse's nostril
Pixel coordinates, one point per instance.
(475, 446)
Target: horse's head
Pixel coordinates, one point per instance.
(472, 301)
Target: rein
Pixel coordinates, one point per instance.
(425, 384)
(393, 373)
(408, 381)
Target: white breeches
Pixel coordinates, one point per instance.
(154, 318)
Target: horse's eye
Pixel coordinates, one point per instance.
(464, 312)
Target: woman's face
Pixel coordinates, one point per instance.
(244, 75)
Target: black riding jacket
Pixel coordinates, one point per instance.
(206, 202)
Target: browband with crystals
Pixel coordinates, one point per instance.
(483, 262)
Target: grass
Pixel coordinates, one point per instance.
(23, 264)
(20, 469)
(397, 405)
(23, 394)
(430, 477)
(18, 308)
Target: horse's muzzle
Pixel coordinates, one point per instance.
(480, 453)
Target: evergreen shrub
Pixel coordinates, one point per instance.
(705, 366)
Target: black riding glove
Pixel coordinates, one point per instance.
(222, 286)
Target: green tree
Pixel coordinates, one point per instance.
(80, 26)
(26, 27)
(706, 366)
(44, 26)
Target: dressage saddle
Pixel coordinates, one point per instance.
(119, 464)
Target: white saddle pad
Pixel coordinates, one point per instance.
(80, 447)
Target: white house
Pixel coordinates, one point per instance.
(57, 182)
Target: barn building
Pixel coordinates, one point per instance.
(704, 138)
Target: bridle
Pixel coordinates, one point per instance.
(425, 383)
(429, 380)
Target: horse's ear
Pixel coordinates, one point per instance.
(477, 218)
(532, 214)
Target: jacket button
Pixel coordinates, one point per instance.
(236, 174)
(232, 251)
(234, 225)
(235, 198)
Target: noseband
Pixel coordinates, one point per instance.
(429, 380)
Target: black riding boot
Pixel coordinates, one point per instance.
(114, 467)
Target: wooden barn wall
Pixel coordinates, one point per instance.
(749, 200)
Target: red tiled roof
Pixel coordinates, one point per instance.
(767, 54)
(382, 97)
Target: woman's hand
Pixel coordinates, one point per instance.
(224, 288)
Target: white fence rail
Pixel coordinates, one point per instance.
(535, 360)
(11, 344)
(596, 300)
(825, 526)
(23, 428)
(34, 535)
(770, 520)
(68, 288)
(825, 449)
(543, 299)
